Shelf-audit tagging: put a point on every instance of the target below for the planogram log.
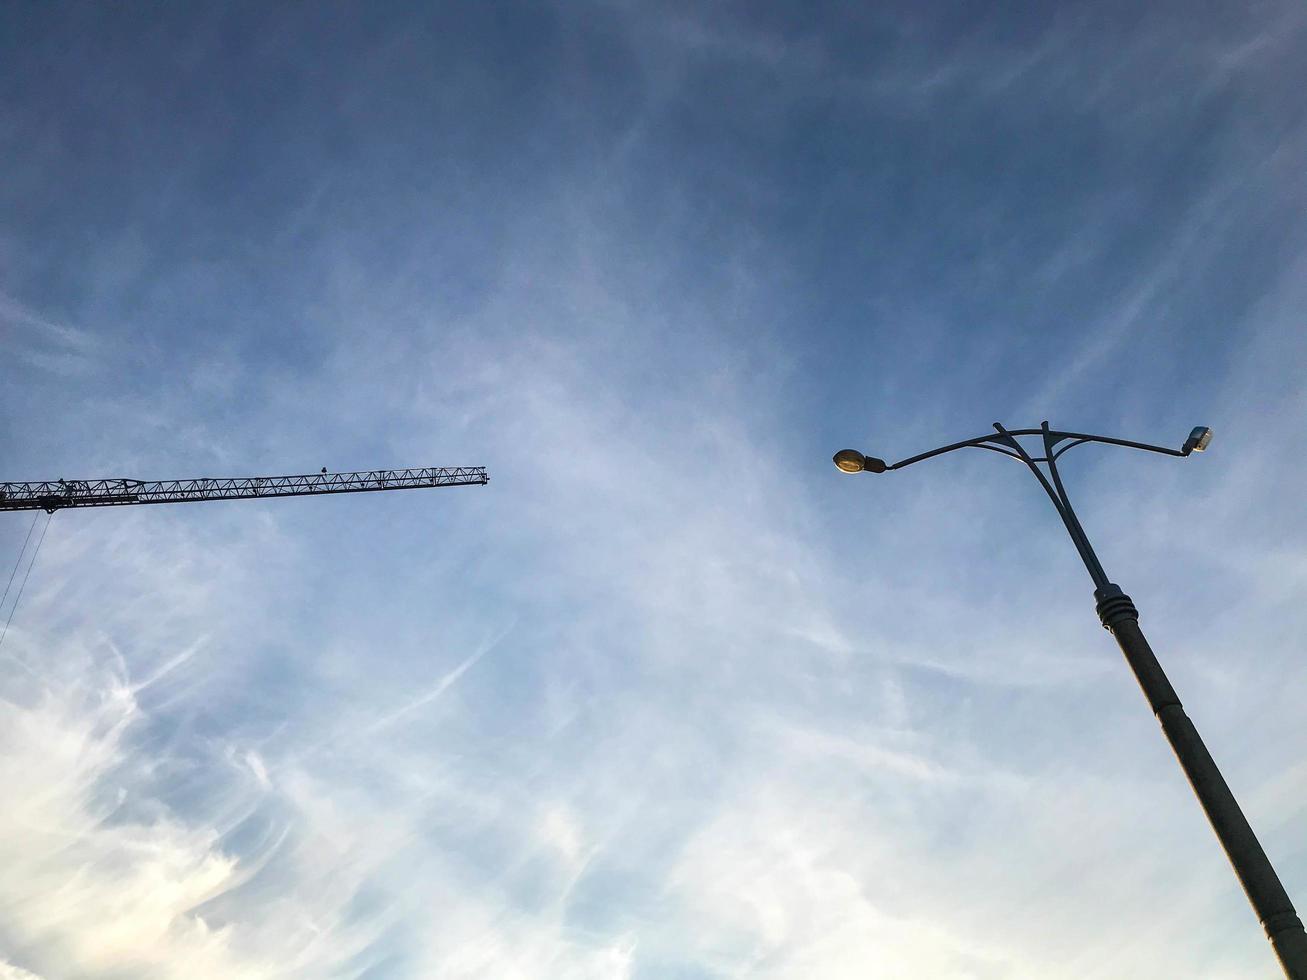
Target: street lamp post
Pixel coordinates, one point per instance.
(1119, 616)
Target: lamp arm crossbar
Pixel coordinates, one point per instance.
(1069, 445)
(978, 442)
(999, 449)
(1077, 439)
(1005, 441)
(1081, 437)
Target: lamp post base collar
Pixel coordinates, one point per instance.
(1114, 606)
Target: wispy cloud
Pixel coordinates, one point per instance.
(439, 688)
(668, 697)
(44, 343)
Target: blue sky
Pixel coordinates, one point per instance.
(669, 698)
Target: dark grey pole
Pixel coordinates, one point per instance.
(1268, 898)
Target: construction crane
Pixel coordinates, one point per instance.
(52, 495)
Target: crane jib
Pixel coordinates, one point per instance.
(52, 495)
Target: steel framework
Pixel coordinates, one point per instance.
(52, 495)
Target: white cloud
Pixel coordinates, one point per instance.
(661, 697)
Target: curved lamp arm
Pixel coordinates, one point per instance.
(1005, 441)
(852, 461)
(1198, 440)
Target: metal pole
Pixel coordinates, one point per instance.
(1268, 897)
(1119, 615)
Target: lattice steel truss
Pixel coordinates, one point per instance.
(53, 495)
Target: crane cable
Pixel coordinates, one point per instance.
(19, 560)
(26, 575)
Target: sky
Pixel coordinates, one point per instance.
(670, 698)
